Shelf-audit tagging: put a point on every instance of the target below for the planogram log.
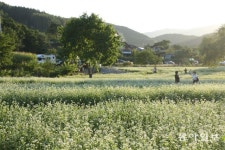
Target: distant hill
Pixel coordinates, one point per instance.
(195, 31)
(179, 39)
(133, 37)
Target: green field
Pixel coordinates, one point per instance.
(132, 110)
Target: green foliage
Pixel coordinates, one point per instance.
(53, 34)
(46, 69)
(7, 45)
(35, 42)
(91, 39)
(213, 48)
(24, 64)
(183, 55)
(15, 30)
(145, 57)
(26, 40)
(67, 69)
(164, 44)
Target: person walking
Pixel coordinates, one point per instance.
(177, 78)
(185, 70)
(195, 77)
(154, 70)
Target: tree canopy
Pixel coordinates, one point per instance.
(7, 45)
(92, 40)
(146, 56)
(213, 47)
(26, 40)
(164, 44)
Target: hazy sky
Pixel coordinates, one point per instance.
(139, 15)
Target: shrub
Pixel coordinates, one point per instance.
(24, 64)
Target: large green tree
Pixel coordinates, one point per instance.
(91, 39)
(212, 47)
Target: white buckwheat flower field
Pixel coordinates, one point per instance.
(133, 110)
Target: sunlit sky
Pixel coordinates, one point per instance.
(139, 15)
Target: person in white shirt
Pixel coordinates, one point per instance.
(195, 77)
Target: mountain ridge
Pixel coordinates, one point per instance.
(180, 39)
(138, 39)
(199, 31)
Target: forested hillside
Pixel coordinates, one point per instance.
(32, 18)
(132, 37)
